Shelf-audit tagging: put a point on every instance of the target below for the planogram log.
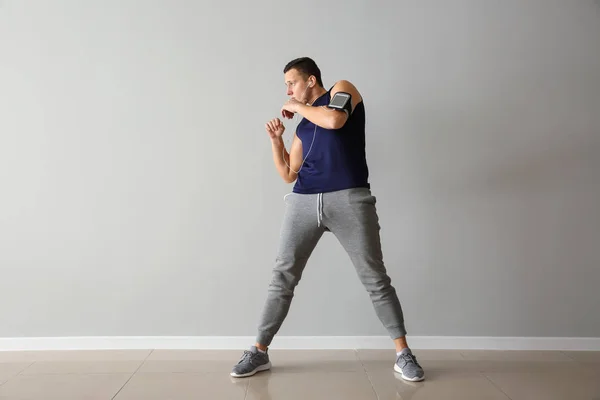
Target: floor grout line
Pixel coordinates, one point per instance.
(17, 374)
(132, 375)
(248, 386)
(495, 385)
(27, 367)
(366, 373)
(568, 356)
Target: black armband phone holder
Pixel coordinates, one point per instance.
(341, 101)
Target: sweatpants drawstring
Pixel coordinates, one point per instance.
(319, 208)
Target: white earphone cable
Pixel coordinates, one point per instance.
(309, 149)
(307, 153)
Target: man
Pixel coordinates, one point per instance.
(331, 194)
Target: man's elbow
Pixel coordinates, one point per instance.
(337, 120)
(289, 178)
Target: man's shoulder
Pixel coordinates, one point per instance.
(342, 83)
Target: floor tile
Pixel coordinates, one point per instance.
(515, 355)
(223, 361)
(183, 386)
(390, 355)
(63, 387)
(517, 361)
(589, 359)
(303, 385)
(437, 385)
(74, 355)
(82, 367)
(191, 361)
(548, 385)
(11, 369)
(299, 361)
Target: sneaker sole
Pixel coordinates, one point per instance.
(406, 378)
(263, 367)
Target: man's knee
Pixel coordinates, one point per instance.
(379, 284)
(286, 276)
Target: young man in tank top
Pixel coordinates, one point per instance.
(331, 193)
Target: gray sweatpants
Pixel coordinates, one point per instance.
(352, 217)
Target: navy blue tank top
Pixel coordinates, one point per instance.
(337, 159)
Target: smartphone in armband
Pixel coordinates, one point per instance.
(341, 101)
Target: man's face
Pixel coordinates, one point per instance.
(296, 84)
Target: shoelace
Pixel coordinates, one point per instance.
(247, 354)
(408, 358)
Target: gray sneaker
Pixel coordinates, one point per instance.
(408, 366)
(252, 361)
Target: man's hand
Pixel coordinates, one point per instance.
(290, 108)
(275, 128)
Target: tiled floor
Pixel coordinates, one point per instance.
(299, 375)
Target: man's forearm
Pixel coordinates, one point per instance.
(281, 158)
(322, 116)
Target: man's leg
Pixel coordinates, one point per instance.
(352, 217)
(299, 236)
(300, 233)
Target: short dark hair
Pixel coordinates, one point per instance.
(305, 66)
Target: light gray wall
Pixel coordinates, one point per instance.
(138, 195)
